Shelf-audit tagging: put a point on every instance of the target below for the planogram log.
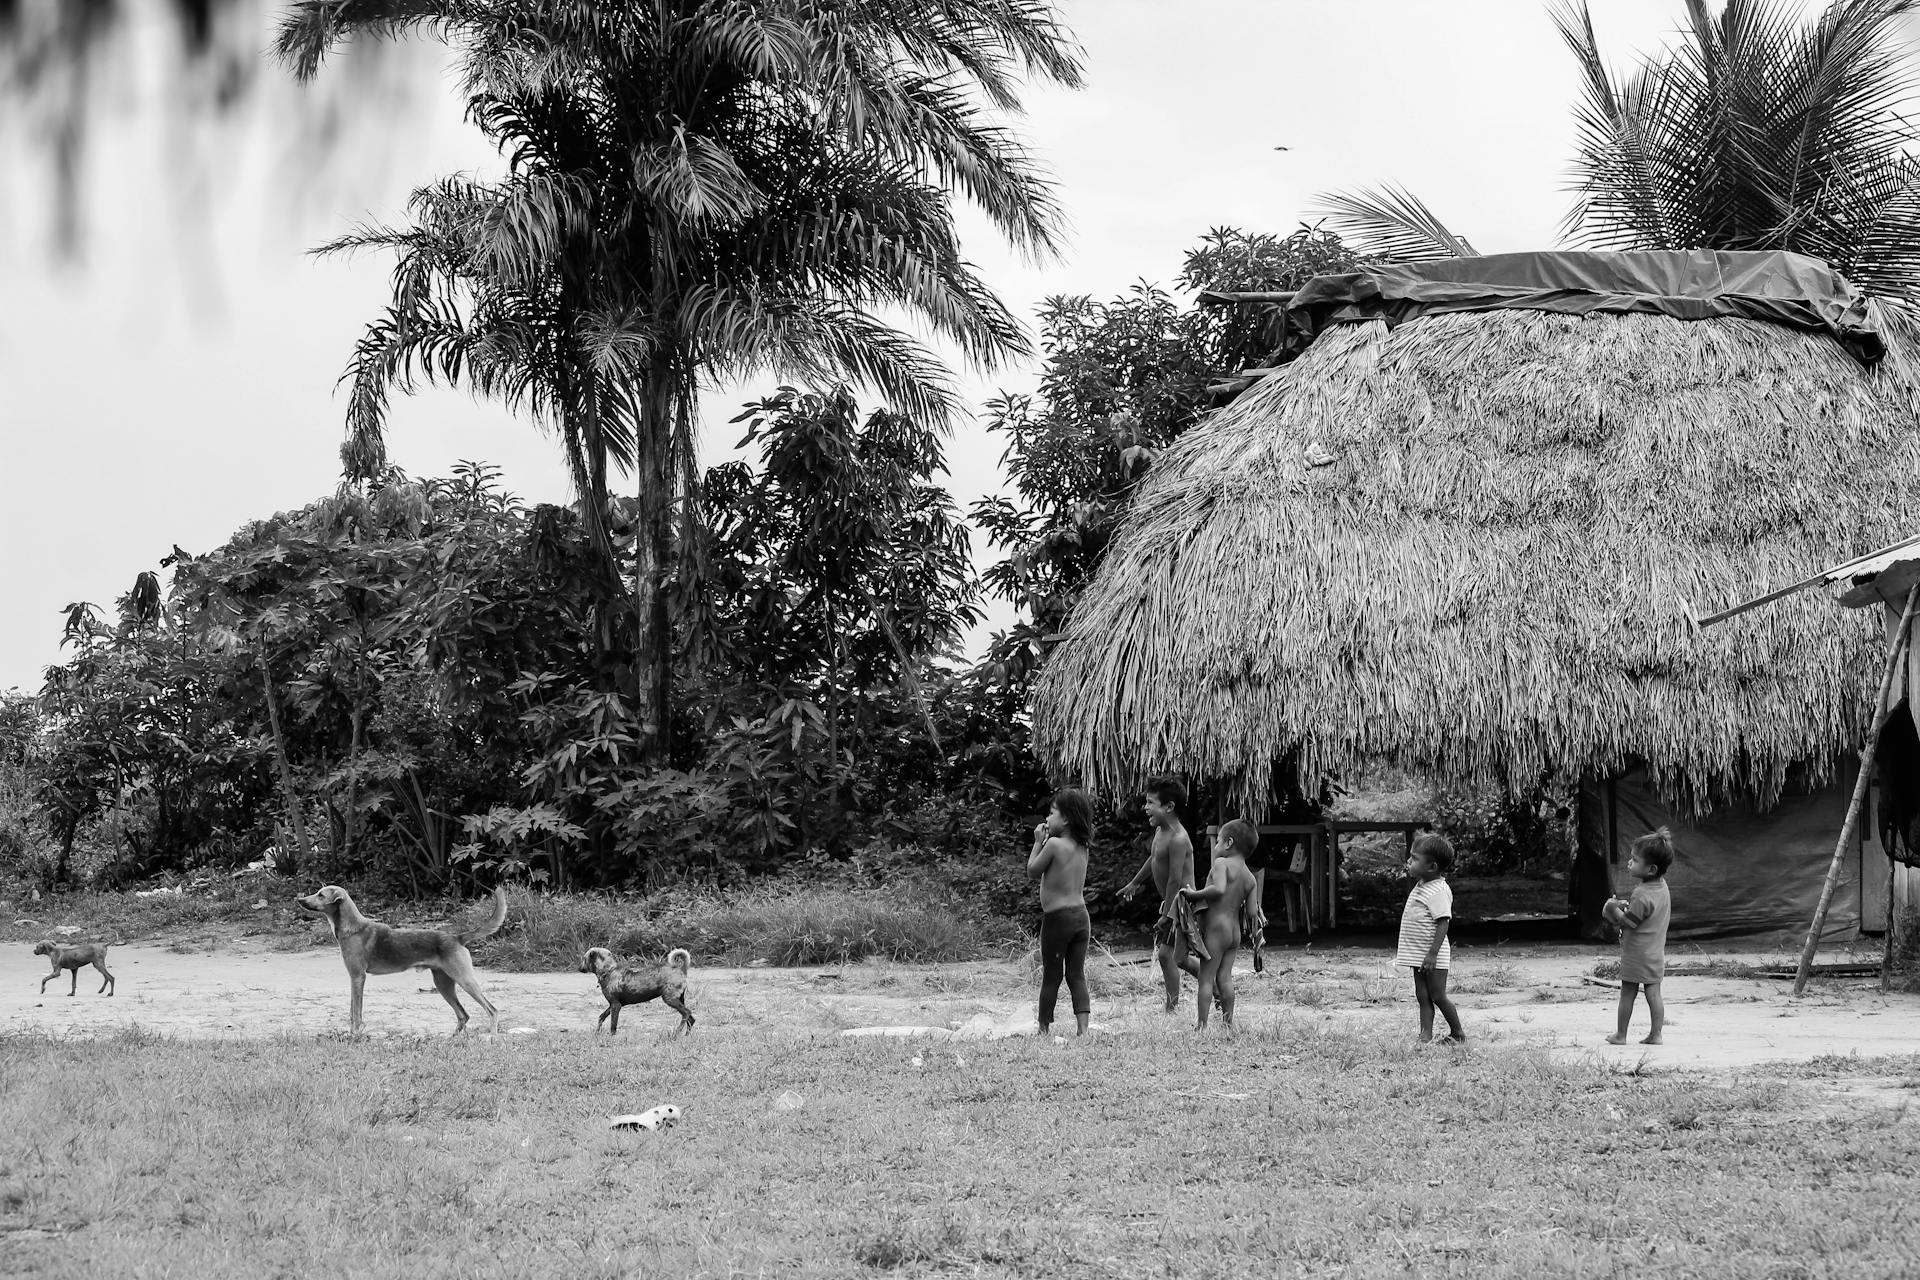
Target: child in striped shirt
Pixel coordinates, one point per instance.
(1423, 935)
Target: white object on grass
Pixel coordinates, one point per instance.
(789, 1101)
(660, 1117)
(985, 1026)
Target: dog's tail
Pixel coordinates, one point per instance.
(679, 959)
(494, 921)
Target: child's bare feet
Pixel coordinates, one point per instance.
(1452, 1039)
(1617, 1038)
(1653, 1039)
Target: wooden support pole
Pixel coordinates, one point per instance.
(1896, 653)
(1890, 941)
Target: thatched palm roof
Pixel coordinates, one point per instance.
(1472, 545)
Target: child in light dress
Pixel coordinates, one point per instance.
(1642, 920)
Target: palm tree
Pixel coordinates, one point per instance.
(700, 191)
(1756, 132)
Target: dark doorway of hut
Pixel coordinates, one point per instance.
(1305, 869)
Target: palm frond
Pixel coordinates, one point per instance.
(1392, 223)
(312, 29)
(1757, 133)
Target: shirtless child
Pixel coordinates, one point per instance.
(1228, 888)
(1059, 858)
(1170, 865)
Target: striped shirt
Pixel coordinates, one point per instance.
(1430, 901)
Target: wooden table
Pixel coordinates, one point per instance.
(1319, 885)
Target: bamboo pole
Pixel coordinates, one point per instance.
(1896, 653)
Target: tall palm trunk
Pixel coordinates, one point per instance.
(653, 548)
(290, 860)
(595, 508)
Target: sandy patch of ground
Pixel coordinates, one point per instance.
(1539, 996)
(1713, 1023)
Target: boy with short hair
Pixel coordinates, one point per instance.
(1423, 935)
(1170, 865)
(1229, 887)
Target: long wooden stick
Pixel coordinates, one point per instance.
(1896, 653)
(1738, 609)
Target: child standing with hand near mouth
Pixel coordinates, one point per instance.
(1059, 858)
(1642, 921)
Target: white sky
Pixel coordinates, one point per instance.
(180, 381)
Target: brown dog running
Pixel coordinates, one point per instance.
(75, 958)
(368, 946)
(624, 984)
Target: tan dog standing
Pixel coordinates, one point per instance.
(369, 946)
(75, 958)
(624, 984)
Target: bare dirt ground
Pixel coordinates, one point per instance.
(1543, 996)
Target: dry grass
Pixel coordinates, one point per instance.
(1483, 979)
(218, 903)
(1298, 1150)
(1471, 546)
(781, 925)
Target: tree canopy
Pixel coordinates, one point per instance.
(699, 192)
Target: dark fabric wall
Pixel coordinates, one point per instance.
(1738, 870)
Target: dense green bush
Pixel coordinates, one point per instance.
(1495, 835)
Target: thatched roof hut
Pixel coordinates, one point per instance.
(1470, 540)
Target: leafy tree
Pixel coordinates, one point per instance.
(139, 732)
(1122, 380)
(405, 669)
(830, 579)
(388, 625)
(23, 842)
(838, 565)
(698, 191)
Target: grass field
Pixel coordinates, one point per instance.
(1295, 1150)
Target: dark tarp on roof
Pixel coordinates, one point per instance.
(1779, 288)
